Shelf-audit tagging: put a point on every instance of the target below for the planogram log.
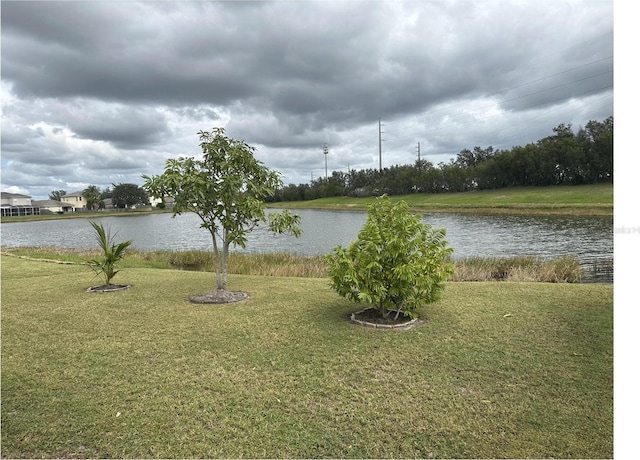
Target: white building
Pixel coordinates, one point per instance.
(53, 206)
(16, 204)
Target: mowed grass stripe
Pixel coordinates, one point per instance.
(594, 200)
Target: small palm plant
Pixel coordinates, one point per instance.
(111, 253)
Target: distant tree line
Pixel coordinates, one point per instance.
(122, 196)
(564, 158)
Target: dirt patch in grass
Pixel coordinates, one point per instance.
(109, 288)
(371, 317)
(219, 296)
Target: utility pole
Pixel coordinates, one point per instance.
(419, 164)
(326, 171)
(380, 142)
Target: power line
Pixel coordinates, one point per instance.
(545, 102)
(526, 122)
(525, 107)
(448, 107)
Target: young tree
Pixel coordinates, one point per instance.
(91, 195)
(397, 263)
(226, 189)
(112, 253)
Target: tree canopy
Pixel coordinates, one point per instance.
(128, 196)
(91, 195)
(226, 189)
(57, 195)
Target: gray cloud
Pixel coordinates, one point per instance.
(126, 127)
(119, 87)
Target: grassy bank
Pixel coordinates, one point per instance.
(84, 215)
(509, 370)
(564, 269)
(578, 200)
(586, 200)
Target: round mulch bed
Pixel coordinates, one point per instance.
(371, 317)
(219, 296)
(109, 288)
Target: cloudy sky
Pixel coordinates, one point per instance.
(101, 92)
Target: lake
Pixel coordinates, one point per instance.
(589, 238)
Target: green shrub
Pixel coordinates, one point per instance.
(397, 263)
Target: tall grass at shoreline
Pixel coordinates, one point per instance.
(562, 269)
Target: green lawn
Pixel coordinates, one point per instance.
(497, 370)
(572, 200)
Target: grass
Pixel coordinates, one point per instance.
(587, 200)
(563, 269)
(508, 370)
(84, 215)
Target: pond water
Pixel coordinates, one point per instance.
(589, 238)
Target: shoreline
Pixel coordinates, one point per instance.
(521, 209)
(599, 210)
(595, 200)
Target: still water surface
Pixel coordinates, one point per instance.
(589, 238)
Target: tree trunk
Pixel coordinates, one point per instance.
(225, 262)
(383, 311)
(217, 262)
(399, 309)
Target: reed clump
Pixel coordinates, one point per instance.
(261, 264)
(278, 264)
(187, 260)
(562, 269)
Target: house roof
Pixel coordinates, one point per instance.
(72, 194)
(14, 195)
(45, 203)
